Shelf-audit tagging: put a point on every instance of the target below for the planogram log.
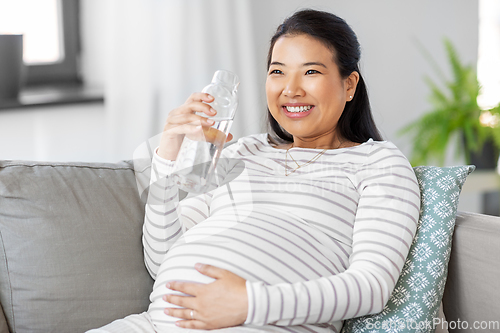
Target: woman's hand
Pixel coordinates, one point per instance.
(222, 303)
(184, 121)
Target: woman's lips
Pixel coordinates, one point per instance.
(296, 115)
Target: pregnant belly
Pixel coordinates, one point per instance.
(261, 247)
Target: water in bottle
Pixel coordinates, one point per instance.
(195, 166)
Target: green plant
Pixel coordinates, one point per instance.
(455, 115)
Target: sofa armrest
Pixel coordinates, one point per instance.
(472, 293)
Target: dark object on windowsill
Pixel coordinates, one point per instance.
(41, 96)
(487, 157)
(11, 66)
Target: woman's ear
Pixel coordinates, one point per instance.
(351, 83)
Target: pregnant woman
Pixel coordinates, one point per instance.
(310, 224)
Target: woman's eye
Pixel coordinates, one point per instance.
(275, 71)
(312, 71)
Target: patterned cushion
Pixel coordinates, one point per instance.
(415, 300)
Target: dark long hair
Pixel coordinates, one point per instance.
(356, 122)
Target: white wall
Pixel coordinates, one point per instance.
(393, 68)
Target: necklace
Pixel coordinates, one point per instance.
(312, 160)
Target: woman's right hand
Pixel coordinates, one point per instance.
(184, 121)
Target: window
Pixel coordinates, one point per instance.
(488, 67)
(51, 37)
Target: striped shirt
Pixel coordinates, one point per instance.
(325, 243)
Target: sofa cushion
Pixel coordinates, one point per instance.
(71, 254)
(415, 300)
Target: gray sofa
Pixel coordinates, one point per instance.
(71, 255)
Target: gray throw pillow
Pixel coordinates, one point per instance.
(71, 255)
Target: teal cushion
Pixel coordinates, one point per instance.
(415, 300)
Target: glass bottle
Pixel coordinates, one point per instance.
(195, 166)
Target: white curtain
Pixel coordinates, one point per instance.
(160, 51)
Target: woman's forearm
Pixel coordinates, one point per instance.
(162, 226)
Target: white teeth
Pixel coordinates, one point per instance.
(298, 108)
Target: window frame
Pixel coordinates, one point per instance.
(65, 71)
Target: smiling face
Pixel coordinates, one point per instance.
(305, 91)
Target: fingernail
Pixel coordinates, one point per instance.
(198, 266)
(165, 298)
(168, 285)
(210, 121)
(166, 311)
(213, 111)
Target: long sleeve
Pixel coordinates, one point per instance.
(162, 226)
(384, 226)
(166, 218)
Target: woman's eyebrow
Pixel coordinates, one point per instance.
(314, 64)
(278, 63)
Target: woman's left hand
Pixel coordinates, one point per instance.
(222, 303)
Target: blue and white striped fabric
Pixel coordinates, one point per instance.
(323, 244)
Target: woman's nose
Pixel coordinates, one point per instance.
(293, 88)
